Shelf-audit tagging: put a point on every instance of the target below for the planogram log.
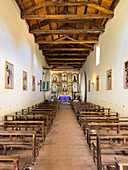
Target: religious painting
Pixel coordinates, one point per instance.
(74, 77)
(97, 83)
(64, 76)
(64, 87)
(54, 88)
(109, 79)
(24, 80)
(126, 74)
(54, 78)
(9, 75)
(33, 83)
(89, 85)
(74, 87)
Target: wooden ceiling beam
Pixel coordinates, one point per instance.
(46, 22)
(51, 46)
(63, 69)
(64, 54)
(111, 8)
(61, 4)
(64, 49)
(66, 42)
(66, 59)
(58, 62)
(65, 38)
(64, 32)
(68, 17)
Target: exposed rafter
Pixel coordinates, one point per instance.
(66, 42)
(60, 4)
(64, 49)
(73, 62)
(46, 22)
(66, 59)
(63, 32)
(68, 17)
(64, 54)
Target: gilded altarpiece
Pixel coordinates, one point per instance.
(65, 84)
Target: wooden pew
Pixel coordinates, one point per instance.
(50, 114)
(28, 126)
(9, 162)
(85, 111)
(20, 140)
(44, 118)
(105, 128)
(102, 119)
(45, 106)
(121, 163)
(43, 110)
(77, 105)
(84, 115)
(110, 145)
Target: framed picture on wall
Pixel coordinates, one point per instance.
(9, 75)
(109, 79)
(97, 83)
(126, 74)
(89, 85)
(33, 83)
(24, 81)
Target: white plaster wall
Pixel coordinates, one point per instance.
(114, 51)
(17, 47)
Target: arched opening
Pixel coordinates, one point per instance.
(84, 86)
(85, 98)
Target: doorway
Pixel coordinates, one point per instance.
(85, 98)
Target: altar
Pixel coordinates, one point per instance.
(65, 96)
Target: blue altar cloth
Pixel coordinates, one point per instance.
(64, 97)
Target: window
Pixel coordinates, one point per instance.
(97, 54)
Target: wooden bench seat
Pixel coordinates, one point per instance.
(45, 118)
(93, 129)
(109, 145)
(9, 162)
(50, 114)
(20, 140)
(121, 163)
(91, 111)
(29, 126)
(38, 110)
(83, 116)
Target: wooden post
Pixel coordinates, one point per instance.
(98, 154)
(34, 148)
(16, 164)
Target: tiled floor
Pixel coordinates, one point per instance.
(65, 147)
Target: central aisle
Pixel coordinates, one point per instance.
(65, 147)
